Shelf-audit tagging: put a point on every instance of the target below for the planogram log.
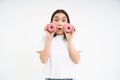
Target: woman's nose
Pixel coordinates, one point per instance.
(60, 23)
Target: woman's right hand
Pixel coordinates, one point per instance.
(49, 34)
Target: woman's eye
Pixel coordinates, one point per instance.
(64, 20)
(56, 20)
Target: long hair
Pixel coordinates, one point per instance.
(60, 11)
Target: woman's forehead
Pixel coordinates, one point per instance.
(60, 15)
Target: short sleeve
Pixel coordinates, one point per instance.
(77, 43)
(41, 42)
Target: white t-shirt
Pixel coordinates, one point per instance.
(59, 64)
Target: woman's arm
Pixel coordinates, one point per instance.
(44, 54)
(74, 54)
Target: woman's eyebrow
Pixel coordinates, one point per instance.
(64, 17)
(58, 17)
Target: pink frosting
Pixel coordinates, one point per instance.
(51, 27)
(68, 28)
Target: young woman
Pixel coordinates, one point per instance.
(60, 52)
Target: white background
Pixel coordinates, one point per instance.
(98, 28)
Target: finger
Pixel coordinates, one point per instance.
(65, 33)
(74, 29)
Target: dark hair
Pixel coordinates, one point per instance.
(60, 11)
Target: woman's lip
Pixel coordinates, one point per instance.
(59, 28)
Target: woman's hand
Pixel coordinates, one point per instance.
(69, 35)
(49, 34)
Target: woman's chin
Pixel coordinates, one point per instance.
(59, 33)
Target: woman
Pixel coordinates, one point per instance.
(60, 54)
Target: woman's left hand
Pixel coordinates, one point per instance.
(69, 35)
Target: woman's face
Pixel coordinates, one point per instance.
(59, 20)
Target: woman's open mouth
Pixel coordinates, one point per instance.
(59, 28)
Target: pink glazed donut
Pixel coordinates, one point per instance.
(51, 27)
(68, 28)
